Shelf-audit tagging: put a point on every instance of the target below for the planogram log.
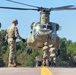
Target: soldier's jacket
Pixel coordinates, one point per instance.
(45, 51)
(12, 32)
(52, 51)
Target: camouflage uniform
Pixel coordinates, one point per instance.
(52, 55)
(12, 34)
(45, 54)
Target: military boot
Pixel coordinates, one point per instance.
(54, 64)
(44, 64)
(14, 64)
(10, 65)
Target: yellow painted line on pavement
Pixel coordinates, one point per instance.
(45, 71)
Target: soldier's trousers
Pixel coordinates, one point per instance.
(45, 61)
(52, 59)
(12, 47)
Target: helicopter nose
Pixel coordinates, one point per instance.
(44, 32)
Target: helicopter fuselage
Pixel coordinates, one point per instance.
(41, 33)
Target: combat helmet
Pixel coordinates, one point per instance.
(15, 20)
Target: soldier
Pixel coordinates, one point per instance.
(52, 55)
(45, 50)
(38, 59)
(11, 36)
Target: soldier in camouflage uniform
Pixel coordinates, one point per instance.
(52, 55)
(11, 36)
(45, 50)
(38, 59)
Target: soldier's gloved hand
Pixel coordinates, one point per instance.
(6, 42)
(3, 39)
(14, 38)
(58, 51)
(23, 40)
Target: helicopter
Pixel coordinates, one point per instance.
(44, 30)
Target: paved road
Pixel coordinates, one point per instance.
(38, 71)
(63, 71)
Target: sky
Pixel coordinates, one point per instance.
(66, 19)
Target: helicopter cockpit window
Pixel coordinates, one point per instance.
(44, 26)
(49, 27)
(57, 27)
(36, 28)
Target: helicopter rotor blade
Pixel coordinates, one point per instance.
(22, 3)
(69, 7)
(40, 9)
(64, 7)
(17, 8)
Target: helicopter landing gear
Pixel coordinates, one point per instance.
(29, 50)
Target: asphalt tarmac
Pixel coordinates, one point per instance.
(37, 71)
